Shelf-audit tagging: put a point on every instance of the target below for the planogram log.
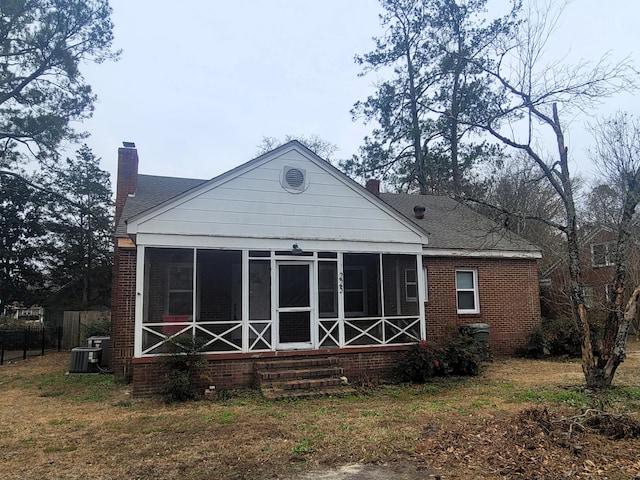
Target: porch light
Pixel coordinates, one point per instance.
(295, 249)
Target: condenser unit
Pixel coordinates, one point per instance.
(105, 344)
(85, 360)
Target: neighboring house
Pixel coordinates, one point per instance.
(286, 256)
(17, 311)
(597, 274)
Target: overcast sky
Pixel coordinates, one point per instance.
(201, 82)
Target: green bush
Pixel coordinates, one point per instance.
(183, 372)
(177, 387)
(459, 356)
(100, 327)
(462, 356)
(559, 336)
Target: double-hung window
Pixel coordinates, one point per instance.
(180, 289)
(467, 291)
(355, 292)
(411, 285)
(602, 254)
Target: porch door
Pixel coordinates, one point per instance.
(294, 305)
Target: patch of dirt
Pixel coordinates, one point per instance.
(400, 471)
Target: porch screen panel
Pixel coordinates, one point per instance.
(168, 285)
(260, 322)
(168, 299)
(328, 289)
(219, 294)
(362, 285)
(219, 300)
(400, 285)
(293, 290)
(328, 326)
(259, 290)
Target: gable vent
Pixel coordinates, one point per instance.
(294, 179)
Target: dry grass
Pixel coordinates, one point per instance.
(64, 427)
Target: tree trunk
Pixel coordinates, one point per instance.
(415, 125)
(601, 377)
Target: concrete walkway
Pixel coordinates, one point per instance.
(401, 471)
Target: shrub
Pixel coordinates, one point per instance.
(422, 361)
(459, 356)
(184, 368)
(99, 327)
(559, 336)
(462, 356)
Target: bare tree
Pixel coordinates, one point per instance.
(517, 197)
(536, 97)
(321, 147)
(617, 157)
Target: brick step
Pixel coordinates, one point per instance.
(277, 394)
(295, 363)
(305, 383)
(286, 374)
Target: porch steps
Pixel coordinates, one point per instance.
(300, 377)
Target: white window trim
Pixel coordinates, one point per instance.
(426, 283)
(476, 300)
(608, 250)
(407, 283)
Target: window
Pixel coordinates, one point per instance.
(467, 291)
(411, 285)
(180, 291)
(354, 291)
(602, 254)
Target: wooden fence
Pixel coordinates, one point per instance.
(79, 325)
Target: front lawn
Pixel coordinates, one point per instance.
(512, 421)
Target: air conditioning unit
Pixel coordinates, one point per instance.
(105, 344)
(85, 360)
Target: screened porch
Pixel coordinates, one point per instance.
(243, 301)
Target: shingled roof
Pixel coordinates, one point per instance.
(151, 191)
(448, 224)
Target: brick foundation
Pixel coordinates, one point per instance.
(228, 371)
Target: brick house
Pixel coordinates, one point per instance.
(285, 256)
(597, 259)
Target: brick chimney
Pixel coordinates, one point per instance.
(127, 180)
(373, 186)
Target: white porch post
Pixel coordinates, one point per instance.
(245, 300)
(421, 296)
(140, 275)
(341, 318)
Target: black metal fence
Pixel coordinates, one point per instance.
(20, 343)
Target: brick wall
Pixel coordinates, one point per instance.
(123, 293)
(508, 293)
(366, 365)
(123, 305)
(127, 179)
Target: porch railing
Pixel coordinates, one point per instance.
(227, 337)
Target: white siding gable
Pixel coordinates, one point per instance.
(250, 202)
